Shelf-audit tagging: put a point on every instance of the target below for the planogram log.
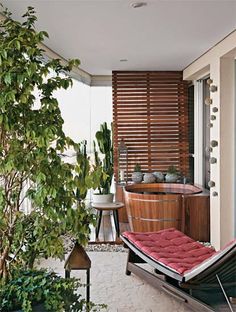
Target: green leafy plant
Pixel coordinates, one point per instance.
(104, 141)
(31, 141)
(137, 168)
(27, 289)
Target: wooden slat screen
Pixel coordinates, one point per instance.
(150, 112)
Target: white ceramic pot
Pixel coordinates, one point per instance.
(137, 177)
(103, 198)
(171, 177)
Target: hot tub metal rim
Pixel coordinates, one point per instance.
(138, 186)
(154, 200)
(153, 220)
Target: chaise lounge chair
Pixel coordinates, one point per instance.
(198, 276)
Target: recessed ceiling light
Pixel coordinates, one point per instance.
(123, 60)
(136, 5)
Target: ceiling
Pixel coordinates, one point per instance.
(163, 35)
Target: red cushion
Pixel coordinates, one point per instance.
(171, 248)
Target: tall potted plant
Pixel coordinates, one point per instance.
(31, 169)
(104, 142)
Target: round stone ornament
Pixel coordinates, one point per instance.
(159, 176)
(149, 178)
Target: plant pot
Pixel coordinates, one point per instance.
(137, 177)
(149, 178)
(102, 198)
(171, 177)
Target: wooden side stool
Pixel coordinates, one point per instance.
(100, 207)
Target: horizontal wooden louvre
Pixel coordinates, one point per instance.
(150, 113)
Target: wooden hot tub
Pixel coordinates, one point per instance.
(153, 207)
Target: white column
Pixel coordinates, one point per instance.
(227, 150)
(198, 132)
(215, 209)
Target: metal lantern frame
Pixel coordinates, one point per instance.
(122, 162)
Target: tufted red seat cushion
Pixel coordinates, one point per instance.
(171, 248)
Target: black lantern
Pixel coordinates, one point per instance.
(122, 162)
(79, 260)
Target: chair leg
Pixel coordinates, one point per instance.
(116, 220)
(99, 223)
(127, 272)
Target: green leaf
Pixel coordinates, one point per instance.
(7, 79)
(4, 54)
(17, 43)
(23, 98)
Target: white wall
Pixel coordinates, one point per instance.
(219, 63)
(101, 108)
(83, 109)
(75, 108)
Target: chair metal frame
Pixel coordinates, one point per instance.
(192, 287)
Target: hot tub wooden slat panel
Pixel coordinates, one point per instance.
(147, 212)
(120, 197)
(197, 217)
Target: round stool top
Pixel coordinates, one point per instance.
(108, 206)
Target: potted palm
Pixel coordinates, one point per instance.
(33, 172)
(104, 167)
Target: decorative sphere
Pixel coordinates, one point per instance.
(149, 178)
(159, 176)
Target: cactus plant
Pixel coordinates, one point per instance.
(85, 179)
(104, 141)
